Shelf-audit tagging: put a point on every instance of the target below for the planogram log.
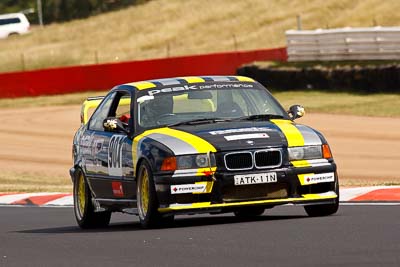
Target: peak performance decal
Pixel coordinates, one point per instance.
(200, 87)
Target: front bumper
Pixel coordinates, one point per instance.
(223, 196)
(306, 199)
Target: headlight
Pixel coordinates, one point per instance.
(305, 152)
(190, 162)
(202, 161)
(185, 162)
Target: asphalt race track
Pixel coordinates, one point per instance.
(359, 235)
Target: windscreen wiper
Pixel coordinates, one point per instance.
(199, 121)
(260, 117)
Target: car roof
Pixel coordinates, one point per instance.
(11, 15)
(152, 84)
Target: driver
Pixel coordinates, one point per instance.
(152, 110)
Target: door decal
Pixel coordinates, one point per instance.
(115, 155)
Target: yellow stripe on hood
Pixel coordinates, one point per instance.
(292, 134)
(200, 145)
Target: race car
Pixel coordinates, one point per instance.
(187, 145)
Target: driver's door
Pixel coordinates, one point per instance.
(111, 170)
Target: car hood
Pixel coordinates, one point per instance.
(231, 136)
(227, 136)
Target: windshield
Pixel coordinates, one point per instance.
(211, 102)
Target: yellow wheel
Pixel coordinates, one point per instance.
(81, 196)
(85, 215)
(147, 202)
(144, 192)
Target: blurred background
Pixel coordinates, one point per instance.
(97, 31)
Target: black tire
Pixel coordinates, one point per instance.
(13, 34)
(249, 212)
(147, 202)
(324, 209)
(83, 206)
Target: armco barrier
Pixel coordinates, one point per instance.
(104, 76)
(375, 43)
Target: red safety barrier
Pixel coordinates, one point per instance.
(105, 76)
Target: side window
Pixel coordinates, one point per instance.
(123, 109)
(9, 21)
(101, 113)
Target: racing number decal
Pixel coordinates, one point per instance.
(115, 155)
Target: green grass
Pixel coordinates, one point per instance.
(162, 28)
(33, 182)
(378, 105)
(351, 182)
(54, 100)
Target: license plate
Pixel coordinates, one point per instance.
(257, 178)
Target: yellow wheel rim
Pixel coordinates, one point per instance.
(144, 191)
(81, 194)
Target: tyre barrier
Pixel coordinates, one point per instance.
(354, 78)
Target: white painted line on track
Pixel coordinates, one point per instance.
(31, 206)
(64, 201)
(369, 203)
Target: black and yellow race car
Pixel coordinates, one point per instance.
(188, 145)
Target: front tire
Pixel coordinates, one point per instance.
(147, 202)
(324, 209)
(83, 206)
(249, 212)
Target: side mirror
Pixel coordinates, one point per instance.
(296, 111)
(113, 124)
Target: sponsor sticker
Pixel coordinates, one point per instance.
(188, 188)
(115, 155)
(117, 189)
(226, 85)
(317, 178)
(240, 130)
(85, 144)
(199, 87)
(246, 136)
